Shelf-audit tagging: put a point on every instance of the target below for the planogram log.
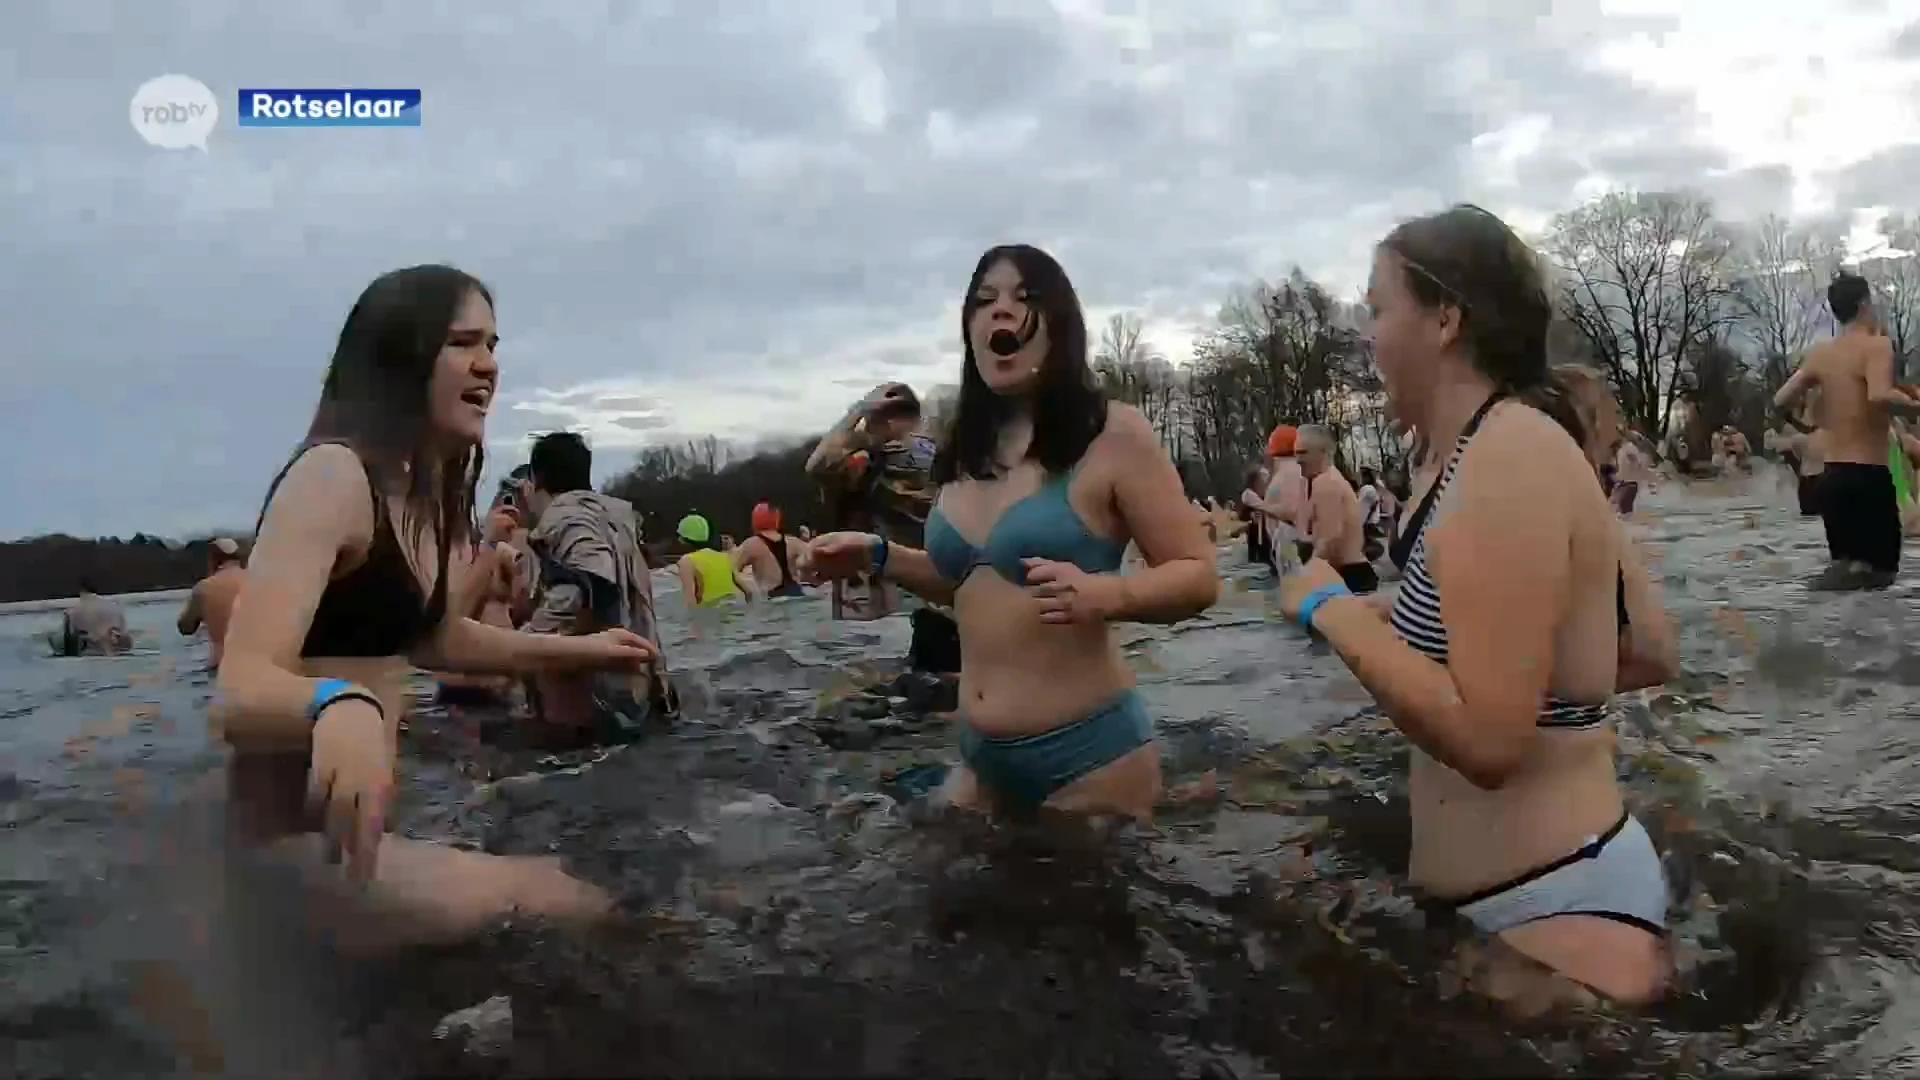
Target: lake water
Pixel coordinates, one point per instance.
(786, 918)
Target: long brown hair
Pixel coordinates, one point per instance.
(375, 401)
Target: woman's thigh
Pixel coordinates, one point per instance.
(1128, 785)
(424, 892)
(1625, 964)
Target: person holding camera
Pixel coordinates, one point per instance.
(875, 468)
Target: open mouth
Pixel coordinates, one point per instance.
(479, 397)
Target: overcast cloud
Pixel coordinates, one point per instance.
(733, 216)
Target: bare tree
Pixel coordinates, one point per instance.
(1642, 278)
(1895, 273)
(1778, 273)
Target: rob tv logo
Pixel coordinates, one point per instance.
(174, 112)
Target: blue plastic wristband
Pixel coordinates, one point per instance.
(877, 559)
(328, 691)
(1318, 597)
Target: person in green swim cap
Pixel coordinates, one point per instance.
(707, 574)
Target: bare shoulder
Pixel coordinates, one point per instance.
(328, 471)
(1818, 356)
(324, 492)
(1519, 433)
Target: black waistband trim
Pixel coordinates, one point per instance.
(1589, 850)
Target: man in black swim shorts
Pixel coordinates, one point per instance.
(1857, 501)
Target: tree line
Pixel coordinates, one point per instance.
(1693, 320)
(52, 567)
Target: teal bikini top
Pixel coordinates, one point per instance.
(1042, 525)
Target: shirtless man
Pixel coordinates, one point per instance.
(211, 600)
(1334, 521)
(1854, 374)
(776, 560)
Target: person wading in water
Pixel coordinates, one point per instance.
(776, 560)
(1335, 524)
(347, 587)
(1858, 502)
(1501, 649)
(1041, 485)
(210, 604)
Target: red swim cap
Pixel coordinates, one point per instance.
(766, 518)
(1280, 443)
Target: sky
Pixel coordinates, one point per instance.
(734, 217)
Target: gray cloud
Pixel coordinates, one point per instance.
(700, 218)
(643, 423)
(1884, 179)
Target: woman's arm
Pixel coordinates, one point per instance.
(322, 507)
(1649, 648)
(466, 647)
(1502, 552)
(912, 569)
(1180, 579)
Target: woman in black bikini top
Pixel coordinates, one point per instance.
(349, 583)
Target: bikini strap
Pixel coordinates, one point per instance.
(373, 486)
(1402, 549)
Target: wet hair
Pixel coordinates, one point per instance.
(375, 399)
(1253, 475)
(1847, 294)
(86, 585)
(1470, 260)
(1069, 409)
(1368, 476)
(560, 462)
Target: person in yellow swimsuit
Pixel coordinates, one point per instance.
(707, 575)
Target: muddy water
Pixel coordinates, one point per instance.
(783, 914)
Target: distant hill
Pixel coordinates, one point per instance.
(51, 567)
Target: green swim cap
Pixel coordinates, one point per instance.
(694, 529)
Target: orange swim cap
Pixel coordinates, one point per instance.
(857, 462)
(1280, 443)
(766, 518)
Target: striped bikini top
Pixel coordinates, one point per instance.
(1416, 609)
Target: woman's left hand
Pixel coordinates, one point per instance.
(1068, 594)
(1297, 586)
(617, 649)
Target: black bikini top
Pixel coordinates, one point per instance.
(1402, 547)
(378, 608)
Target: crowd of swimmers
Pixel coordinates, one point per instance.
(1523, 602)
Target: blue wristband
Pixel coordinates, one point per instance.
(328, 691)
(1318, 597)
(877, 558)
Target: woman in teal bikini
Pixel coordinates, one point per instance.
(1043, 483)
